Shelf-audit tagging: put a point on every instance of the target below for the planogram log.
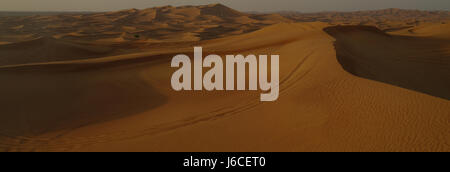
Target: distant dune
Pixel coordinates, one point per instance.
(101, 82)
(202, 22)
(386, 19)
(25, 13)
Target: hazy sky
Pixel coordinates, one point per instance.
(242, 5)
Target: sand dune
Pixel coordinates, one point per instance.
(47, 49)
(101, 82)
(272, 18)
(435, 30)
(147, 24)
(220, 10)
(321, 108)
(17, 37)
(383, 19)
(420, 64)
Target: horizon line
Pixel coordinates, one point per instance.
(250, 11)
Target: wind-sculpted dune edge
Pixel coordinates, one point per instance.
(421, 64)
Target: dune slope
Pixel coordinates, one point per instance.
(48, 49)
(421, 64)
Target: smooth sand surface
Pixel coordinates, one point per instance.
(125, 102)
(435, 30)
(48, 49)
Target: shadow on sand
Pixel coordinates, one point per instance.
(420, 64)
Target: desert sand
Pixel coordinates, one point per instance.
(342, 87)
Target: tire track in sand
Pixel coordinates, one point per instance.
(22, 143)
